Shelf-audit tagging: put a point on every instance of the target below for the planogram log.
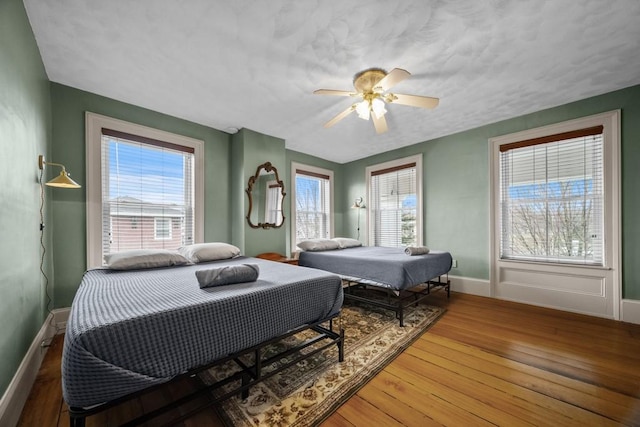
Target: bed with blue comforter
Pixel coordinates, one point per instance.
(380, 266)
(390, 269)
(129, 330)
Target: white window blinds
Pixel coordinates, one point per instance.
(393, 206)
(313, 205)
(147, 193)
(551, 198)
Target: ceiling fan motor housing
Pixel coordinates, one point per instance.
(366, 80)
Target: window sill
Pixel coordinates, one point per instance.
(547, 264)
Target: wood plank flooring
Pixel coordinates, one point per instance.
(485, 362)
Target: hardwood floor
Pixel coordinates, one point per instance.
(485, 362)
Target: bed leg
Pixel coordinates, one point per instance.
(246, 378)
(341, 346)
(258, 363)
(76, 421)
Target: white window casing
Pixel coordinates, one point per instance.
(394, 203)
(312, 212)
(568, 182)
(96, 127)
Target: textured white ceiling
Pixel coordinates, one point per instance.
(254, 64)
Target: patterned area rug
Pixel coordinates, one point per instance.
(307, 393)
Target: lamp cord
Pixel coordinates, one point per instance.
(43, 251)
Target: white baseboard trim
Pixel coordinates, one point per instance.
(630, 311)
(61, 316)
(469, 285)
(19, 388)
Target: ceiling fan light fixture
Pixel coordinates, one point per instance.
(362, 108)
(372, 86)
(377, 105)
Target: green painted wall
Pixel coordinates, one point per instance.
(25, 132)
(249, 150)
(68, 147)
(237, 184)
(456, 184)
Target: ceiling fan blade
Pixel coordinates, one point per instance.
(394, 77)
(379, 123)
(413, 100)
(340, 116)
(333, 92)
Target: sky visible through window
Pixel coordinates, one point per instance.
(150, 174)
(308, 193)
(551, 189)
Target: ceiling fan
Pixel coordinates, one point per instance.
(372, 85)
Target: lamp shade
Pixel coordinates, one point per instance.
(362, 108)
(63, 180)
(377, 105)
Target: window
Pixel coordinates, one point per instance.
(162, 229)
(313, 201)
(395, 203)
(146, 192)
(555, 215)
(551, 198)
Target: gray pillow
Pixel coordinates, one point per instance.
(202, 252)
(346, 242)
(143, 258)
(316, 245)
(228, 275)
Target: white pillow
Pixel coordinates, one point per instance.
(143, 258)
(202, 252)
(316, 245)
(345, 242)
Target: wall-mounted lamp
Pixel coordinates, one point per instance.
(358, 204)
(63, 180)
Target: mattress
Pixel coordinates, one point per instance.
(129, 330)
(380, 266)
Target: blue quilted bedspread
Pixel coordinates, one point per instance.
(129, 330)
(380, 266)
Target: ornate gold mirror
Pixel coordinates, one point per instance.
(266, 198)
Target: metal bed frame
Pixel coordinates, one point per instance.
(396, 301)
(248, 375)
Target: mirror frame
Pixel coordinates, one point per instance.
(252, 180)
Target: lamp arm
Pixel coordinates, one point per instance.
(42, 162)
(55, 164)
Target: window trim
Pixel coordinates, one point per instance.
(390, 166)
(94, 123)
(155, 227)
(317, 172)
